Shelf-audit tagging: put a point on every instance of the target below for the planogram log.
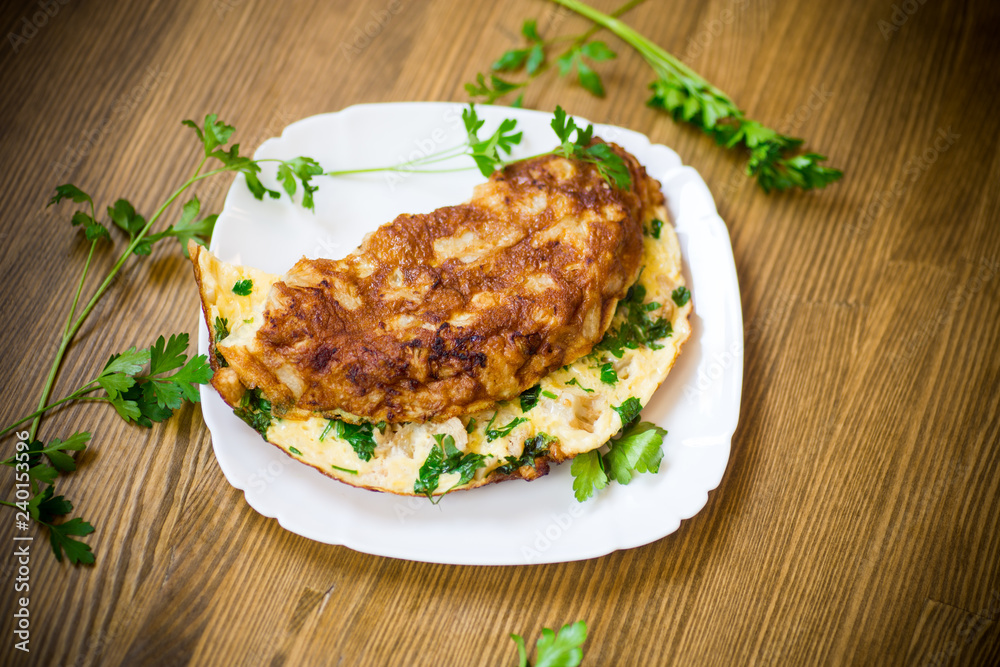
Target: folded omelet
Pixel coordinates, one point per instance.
(461, 347)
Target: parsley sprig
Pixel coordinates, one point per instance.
(489, 154)
(143, 385)
(493, 153)
(635, 328)
(445, 458)
(637, 449)
(562, 649)
(534, 59)
(775, 159)
(685, 95)
(609, 164)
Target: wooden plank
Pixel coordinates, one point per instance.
(856, 522)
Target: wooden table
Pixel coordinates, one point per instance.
(857, 520)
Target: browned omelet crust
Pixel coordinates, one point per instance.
(443, 314)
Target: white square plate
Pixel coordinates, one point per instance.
(515, 522)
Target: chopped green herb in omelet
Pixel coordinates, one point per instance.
(637, 328)
(534, 448)
(445, 459)
(494, 433)
(255, 410)
(359, 437)
(529, 397)
(577, 383)
(243, 287)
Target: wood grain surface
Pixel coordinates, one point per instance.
(857, 522)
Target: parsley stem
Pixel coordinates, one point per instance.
(79, 286)
(440, 156)
(70, 332)
(77, 395)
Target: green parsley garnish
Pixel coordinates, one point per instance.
(255, 410)
(656, 227)
(243, 287)
(327, 429)
(638, 449)
(221, 328)
(636, 328)
(494, 433)
(577, 383)
(588, 475)
(608, 373)
(609, 164)
(529, 397)
(564, 649)
(295, 451)
(681, 295)
(775, 159)
(629, 410)
(347, 470)
(221, 332)
(534, 448)
(358, 436)
(445, 458)
(549, 394)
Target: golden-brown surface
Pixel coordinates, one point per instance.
(443, 314)
(857, 522)
(573, 414)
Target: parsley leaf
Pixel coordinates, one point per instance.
(221, 333)
(629, 410)
(221, 328)
(303, 168)
(577, 383)
(494, 433)
(215, 133)
(609, 164)
(608, 374)
(443, 459)
(243, 287)
(56, 451)
(93, 230)
(488, 153)
(61, 540)
(638, 450)
(562, 650)
(656, 227)
(125, 218)
(680, 295)
(533, 448)
(588, 475)
(70, 191)
(529, 397)
(636, 328)
(511, 60)
(482, 88)
(186, 229)
(255, 410)
(44, 508)
(359, 436)
(170, 391)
